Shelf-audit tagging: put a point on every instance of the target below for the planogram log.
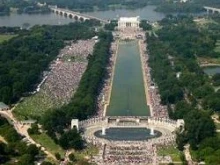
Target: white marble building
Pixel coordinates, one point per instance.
(128, 22)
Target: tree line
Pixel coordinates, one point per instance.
(83, 103)
(21, 6)
(25, 57)
(195, 6)
(9, 30)
(91, 5)
(16, 151)
(182, 84)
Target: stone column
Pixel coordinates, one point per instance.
(151, 131)
(103, 131)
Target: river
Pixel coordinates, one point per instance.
(53, 19)
(147, 13)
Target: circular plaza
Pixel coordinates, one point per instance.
(165, 128)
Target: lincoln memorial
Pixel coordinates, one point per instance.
(128, 22)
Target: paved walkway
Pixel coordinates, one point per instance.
(188, 155)
(22, 130)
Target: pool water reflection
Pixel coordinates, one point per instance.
(128, 134)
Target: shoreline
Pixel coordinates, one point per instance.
(152, 97)
(146, 87)
(112, 73)
(209, 65)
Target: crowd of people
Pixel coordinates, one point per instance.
(164, 159)
(65, 73)
(142, 152)
(126, 152)
(129, 154)
(105, 91)
(153, 96)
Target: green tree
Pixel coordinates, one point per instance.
(72, 157)
(199, 126)
(71, 139)
(145, 26)
(32, 150)
(46, 163)
(58, 156)
(181, 109)
(25, 159)
(34, 129)
(216, 79)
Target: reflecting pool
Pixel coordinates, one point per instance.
(128, 134)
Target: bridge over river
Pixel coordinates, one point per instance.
(73, 14)
(212, 9)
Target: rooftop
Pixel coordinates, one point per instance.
(129, 19)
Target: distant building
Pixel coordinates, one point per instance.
(3, 106)
(183, 1)
(41, 4)
(128, 22)
(75, 123)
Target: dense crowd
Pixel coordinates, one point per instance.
(126, 152)
(153, 96)
(104, 94)
(129, 154)
(144, 152)
(154, 101)
(65, 73)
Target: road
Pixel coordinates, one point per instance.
(188, 155)
(22, 130)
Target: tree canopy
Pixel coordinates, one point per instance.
(25, 57)
(190, 95)
(15, 149)
(83, 103)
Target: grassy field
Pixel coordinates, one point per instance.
(173, 152)
(48, 143)
(34, 106)
(5, 37)
(85, 154)
(52, 147)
